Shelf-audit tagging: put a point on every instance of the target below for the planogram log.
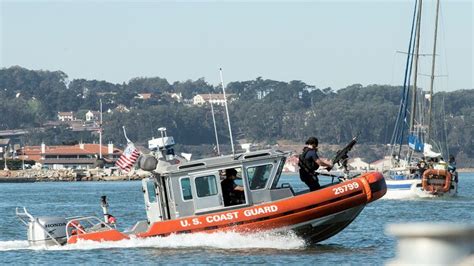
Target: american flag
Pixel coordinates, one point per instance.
(128, 158)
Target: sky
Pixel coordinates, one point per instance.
(322, 43)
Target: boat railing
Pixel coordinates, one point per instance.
(92, 224)
(25, 217)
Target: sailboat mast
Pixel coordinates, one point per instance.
(100, 130)
(397, 137)
(417, 49)
(433, 70)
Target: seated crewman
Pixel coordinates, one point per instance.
(232, 192)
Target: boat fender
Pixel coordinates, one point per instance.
(367, 189)
(147, 162)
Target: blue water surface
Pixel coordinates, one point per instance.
(363, 242)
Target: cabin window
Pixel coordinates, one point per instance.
(186, 189)
(206, 186)
(151, 191)
(258, 176)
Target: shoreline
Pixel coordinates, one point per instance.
(61, 175)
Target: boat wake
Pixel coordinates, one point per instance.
(400, 196)
(220, 240)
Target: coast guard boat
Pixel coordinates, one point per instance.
(183, 197)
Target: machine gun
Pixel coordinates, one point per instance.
(341, 157)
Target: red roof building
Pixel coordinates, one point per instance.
(81, 156)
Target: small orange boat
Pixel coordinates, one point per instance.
(190, 197)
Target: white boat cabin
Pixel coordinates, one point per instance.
(196, 187)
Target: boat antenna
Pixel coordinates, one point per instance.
(163, 135)
(214, 122)
(100, 130)
(227, 113)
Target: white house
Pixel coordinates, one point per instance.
(176, 96)
(122, 109)
(217, 99)
(143, 96)
(65, 116)
(92, 115)
(262, 93)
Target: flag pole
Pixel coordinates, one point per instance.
(125, 134)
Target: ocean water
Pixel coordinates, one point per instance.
(362, 242)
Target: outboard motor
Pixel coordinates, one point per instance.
(44, 231)
(55, 228)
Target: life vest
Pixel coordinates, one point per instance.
(307, 164)
(111, 219)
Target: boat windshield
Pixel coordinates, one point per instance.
(258, 176)
(278, 173)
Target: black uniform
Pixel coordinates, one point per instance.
(231, 196)
(307, 167)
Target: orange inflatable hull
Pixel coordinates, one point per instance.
(346, 199)
(108, 235)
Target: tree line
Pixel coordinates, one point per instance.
(263, 111)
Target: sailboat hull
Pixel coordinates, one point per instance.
(413, 188)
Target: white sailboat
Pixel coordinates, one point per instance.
(423, 173)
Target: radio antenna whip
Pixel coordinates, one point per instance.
(227, 113)
(100, 130)
(214, 122)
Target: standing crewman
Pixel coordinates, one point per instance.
(452, 168)
(309, 162)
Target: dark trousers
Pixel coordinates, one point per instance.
(311, 181)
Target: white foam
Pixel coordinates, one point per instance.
(221, 240)
(399, 194)
(13, 245)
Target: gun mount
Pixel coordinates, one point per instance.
(342, 157)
